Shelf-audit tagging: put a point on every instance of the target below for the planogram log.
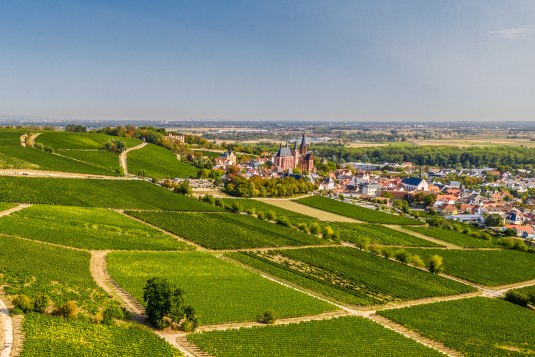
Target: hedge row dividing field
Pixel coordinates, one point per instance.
(356, 212)
(158, 162)
(351, 276)
(219, 291)
(486, 267)
(377, 234)
(476, 327)
(89, 228)
(227, 230)
(259, 206)
(30, 158)
(69, 140)
(451, 236)
(344, 336)
(53, 336)
(125, 194)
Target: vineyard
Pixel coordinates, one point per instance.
(89, 228)
(377, 234)
(259, 206)
(486, 267)
(68, 140)
(129, 194)
(228, 230)
(156, 161)
(345, 336)
(55, 336)
(220, 291)
(454, 237)
(476, 327)
(356, 212)
(10, 137)
(4, 206)
(100, 158)
(352, 276)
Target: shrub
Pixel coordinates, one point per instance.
(517, 298)
(271, 216)
(260, 215)
(283, 221)
(267, 317)
(69, 310)
(314, 228)
(22, 303)
(436, 264)
(417, 261)
(40, 303)
(112, 313)
(402, 256)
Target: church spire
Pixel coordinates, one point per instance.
(303, 146)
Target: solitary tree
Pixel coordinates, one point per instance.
(436, 264)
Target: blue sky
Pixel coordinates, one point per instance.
(268, 60)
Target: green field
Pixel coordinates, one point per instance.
(63, 274)
(53, 336)
(89, 228)
(101, 158)
(68, 140)
(30, 158)
(11, 137)
(352, 276)
(127, 194)
(451, 236)
(4, 206)
(486, 267)
(259, 206)
(228, 230)
(356, 212)
(345, 336)
(377, 234)
(528, 290)
(158, 162)
(475, 327)
(219, 291)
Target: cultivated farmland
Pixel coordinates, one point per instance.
(259, 206)
(475, 327)
(158, 162)
(68, 140)
(351, 276)
(89, 228)
(228, 230)
(377, 234)
(131, 194)
(219, 291)
(356, 212)
(454, 237)
(345, 336)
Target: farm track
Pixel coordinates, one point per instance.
(123, 159)
(57, 174)
(306, 210)
(18, 335)
(9, 211)
(6, 331)
(32, 139)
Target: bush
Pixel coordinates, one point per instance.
(112, 313)
(517, 298)
(271, 216)
(69, 310)
(436, 264)
(402, 256)
(303, 227)
(417, 261)
(314, 228)
(22, 303)
(40, 303)
(260, 215)
(267, 317)
(283, 221)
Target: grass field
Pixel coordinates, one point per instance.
(89, 228)
(345, 336)
(68, 140)
(486, 267)
(127, 194)
(377, 234)
(219, 291)
(158, 162)
(53, 336)
(351, 276)
(63, 274)
(454, 237)
(228, 230)
(30, 158)
(259, 206)
(475, 327)
(356, 212)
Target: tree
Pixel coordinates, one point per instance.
(429, 200)
(76, 128)
(436, 264)
(184, 188)
(267, 317)
(115, 146)
(517, 298)
(493, 220)
(165, 303)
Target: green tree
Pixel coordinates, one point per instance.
(436, 264)
(493, 220)
(164, 301)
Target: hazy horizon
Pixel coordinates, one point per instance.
(340, 61)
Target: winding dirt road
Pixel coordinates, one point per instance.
(123, 159)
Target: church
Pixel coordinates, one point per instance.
(288, 159)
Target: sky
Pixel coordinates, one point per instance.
(324, 60)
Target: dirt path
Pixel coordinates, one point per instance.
(413, 335)
(31, 139)
(419, 235)
(123, 160)
(306, 210)
(9, 211)
(56, 174)
(6, 331)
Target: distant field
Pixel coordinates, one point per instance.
(68, 140)
(356, 212)
(344, 336)
(127, 194)
(476, 142)
(352, 276)
(159, 162)
(486, 267)
(458, 238)
(30, 158)
(89, 228)
(228, 230)
(259, 206)
(63, 274)
(55, 336)
(475, 327)
(219, 291)
(377, 234)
